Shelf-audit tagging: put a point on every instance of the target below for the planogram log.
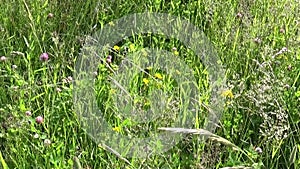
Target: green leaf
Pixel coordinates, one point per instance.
(126, 122)
(297, 94)
(22, 106)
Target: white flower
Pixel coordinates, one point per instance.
(36, 136)
(258, 150)
(47, 142)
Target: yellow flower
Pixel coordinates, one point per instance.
(131, 48)
(158, 76)
(227, 93)
(146, 81)
(117, 48)
(117, 129)
(176, 53)
(228, 103)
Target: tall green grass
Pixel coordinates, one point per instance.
(247, 35)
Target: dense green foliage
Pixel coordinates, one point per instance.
(257, 42)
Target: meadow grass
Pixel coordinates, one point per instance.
(256, 41)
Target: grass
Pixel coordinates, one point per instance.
(257, 43)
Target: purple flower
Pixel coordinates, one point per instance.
(39, 119)
(44, 57)
(109, 59)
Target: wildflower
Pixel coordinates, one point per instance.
(44, 57)
(14, 66)
(239, 15)
(286, 86)
(257, 40)
(258, 150)
(47, 142)
(39, 119)
(50, 15)
(228, 103)
(131, 47)
(146, 81)
(117, 129)
(227, 93)
(158, 76)
(176, 53)
(28, 113)
(111, 23)
(174, 49)
(58, 89)
(69, 79)
(282, 30)
(3, 58)
(109, 59)
(117, 48)
(36, 136)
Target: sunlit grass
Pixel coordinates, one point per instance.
(258, 45)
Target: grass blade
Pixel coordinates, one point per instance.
(4, 165)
